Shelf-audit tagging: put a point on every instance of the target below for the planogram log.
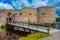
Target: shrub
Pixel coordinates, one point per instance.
(3, 26)
(53, 25)
(57, 19)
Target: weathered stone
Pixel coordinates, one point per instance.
(42, 14)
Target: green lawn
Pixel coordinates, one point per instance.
(36, 36)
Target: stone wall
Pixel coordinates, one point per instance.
(27, 14)
(41, 15)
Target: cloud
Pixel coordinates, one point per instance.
(39, 3)
(5, 6)
(30, 1)
(57, 15)
(54, 2)
(18, 4)
(58, 10)
(26, 3)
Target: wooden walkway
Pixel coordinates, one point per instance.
(33, 28)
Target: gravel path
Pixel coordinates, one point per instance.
(55, 36)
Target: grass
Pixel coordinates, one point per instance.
(36, 36)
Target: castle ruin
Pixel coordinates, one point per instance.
(44, 14)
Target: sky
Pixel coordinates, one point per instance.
(19, 4)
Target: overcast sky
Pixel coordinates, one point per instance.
(19, 4)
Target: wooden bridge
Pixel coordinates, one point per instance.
(12, 24)
(26, 26)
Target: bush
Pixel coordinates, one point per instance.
(53, 25)
(44, 24)
(57, 19)
(3, 26)
(36, 36)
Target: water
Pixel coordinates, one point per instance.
(58, 25)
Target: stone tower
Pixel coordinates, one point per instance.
(46, 14)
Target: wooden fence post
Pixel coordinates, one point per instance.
(49, 28)
(28, 22)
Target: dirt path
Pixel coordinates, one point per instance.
(55, 36)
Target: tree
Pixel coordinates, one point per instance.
(57, 19)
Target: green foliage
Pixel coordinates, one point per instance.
(36, 36)
(53, 25)
(3, 26)
(57, 19)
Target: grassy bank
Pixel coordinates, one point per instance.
(36, 36)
